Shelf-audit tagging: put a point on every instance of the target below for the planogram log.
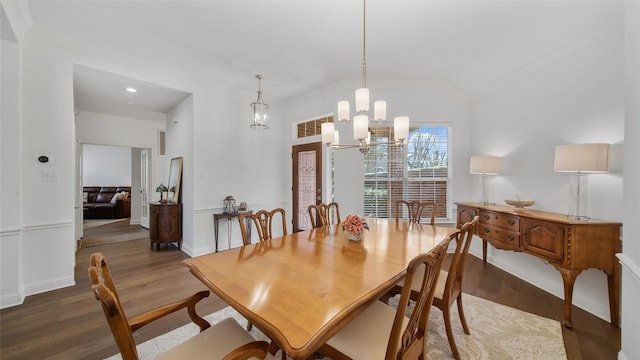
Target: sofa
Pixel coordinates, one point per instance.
(106, 202)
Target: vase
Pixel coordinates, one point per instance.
(354, 236)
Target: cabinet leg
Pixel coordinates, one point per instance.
(568, 278)
(613, 281)
(484, 251)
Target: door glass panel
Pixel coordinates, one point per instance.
(306, 187)
(144, 188)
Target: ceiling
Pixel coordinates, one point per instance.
(306, 45)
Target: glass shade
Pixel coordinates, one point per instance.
(343, 110)
(328, 133)
(401, 128)
(260, 113)
(362, 99)
(336, 138)
(380, 110)
(360, 127)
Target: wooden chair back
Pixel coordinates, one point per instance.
(453, 285)
(416, 210)
(105, 291)
(324, 214)
(410, 342)
(263, 220)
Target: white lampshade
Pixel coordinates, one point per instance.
(401, 128)
(380, 110)
(362, 99)
(336, 138)
(328, 133)
(484, 164)
(343, 110)
(582, 158)
(360, 127)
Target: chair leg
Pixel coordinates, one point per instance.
(447, 325)
(249, 325)
(461, 312)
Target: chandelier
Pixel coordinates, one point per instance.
(260, 110)
(330, 135)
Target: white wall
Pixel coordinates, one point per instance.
(106, 165)
(221, 154)
(630, 258)
(230, 158)
(575, 95)
(11, 275)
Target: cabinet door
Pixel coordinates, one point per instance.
(544, 239)
(465, 214)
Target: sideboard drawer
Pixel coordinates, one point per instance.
(504, 221)
(500, 238)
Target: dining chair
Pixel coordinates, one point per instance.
(382, 332)
(415, 210)
(324, 214)
(225, 340)
(449, 287)
(263, 220)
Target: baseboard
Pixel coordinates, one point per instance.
(10, 300)
(54, 284)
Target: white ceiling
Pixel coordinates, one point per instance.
(305, 45)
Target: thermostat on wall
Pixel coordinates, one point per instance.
(45, 159)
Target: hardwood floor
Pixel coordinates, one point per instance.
(69, 323)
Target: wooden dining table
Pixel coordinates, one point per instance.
(301, 289)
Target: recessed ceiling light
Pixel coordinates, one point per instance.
(130, 103)
(131, 90)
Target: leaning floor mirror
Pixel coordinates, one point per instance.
(175, 175)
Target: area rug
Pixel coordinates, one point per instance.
(497, 332)
(91, 223)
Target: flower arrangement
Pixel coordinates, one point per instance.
(354, 224)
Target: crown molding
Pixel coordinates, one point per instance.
(19, 17)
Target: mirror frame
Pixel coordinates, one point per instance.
(175, 176)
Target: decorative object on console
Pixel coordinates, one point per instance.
(484, 165)
(229, 204)
(520, 204)
(580, 160)
(260, 110)
(162, 189)
(361, 121)
(354, 225)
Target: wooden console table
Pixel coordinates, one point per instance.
(569, 245)
(229, 217)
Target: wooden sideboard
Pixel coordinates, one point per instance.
(570, 245)
(165, 223)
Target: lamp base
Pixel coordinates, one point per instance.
(578, 217)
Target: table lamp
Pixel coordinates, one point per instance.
(162, 189)
(580, 160)
(484, 165)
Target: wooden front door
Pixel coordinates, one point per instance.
(307, 182)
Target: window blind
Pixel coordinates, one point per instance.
(417, 171)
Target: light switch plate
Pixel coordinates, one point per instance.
(50, 175)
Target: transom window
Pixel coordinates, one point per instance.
(417, 171)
